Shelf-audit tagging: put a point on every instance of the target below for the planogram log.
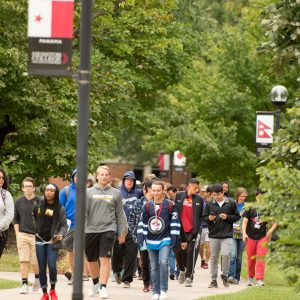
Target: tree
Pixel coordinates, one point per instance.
(137, 51)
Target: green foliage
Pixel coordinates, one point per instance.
(280, 178)
(8, 284)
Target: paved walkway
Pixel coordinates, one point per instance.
(116, 292)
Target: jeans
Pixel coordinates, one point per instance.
(159, 262)
(47, 254)
(172, 262)
(236, 256)
(217, 246)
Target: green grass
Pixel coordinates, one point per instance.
(8, 284)
(276, 288)
(9, 263)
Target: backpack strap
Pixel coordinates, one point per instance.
(170, 206)
(171, 203)
(3, 195)
(147, 209)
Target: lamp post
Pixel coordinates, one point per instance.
(278, 96)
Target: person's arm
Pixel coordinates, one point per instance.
(17, 220)
(122, 226)
(244, 227)
(9, 212)
(271, 230)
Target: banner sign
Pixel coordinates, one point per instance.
(264, 128)
(179, 159)
(164, 162)
(50, 32)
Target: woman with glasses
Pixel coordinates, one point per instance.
(238, 244)
(51, 223)
(6, 210)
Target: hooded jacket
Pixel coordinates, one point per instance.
(104, 210)
(129, 197)
(69, 201)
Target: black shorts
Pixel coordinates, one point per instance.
(68, 240)
(99, 245)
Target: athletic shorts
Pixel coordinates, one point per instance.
(204, 236)
(26, 248)
(99, 244)
(68, 240)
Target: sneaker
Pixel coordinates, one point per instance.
(70, 282)
(188, 282)
(260, 283)
(213, 284)
(163, 295)
(45, 297)
(140, 277)
(230, 279)
(93, 290)
(24, 289)
(155, 297)
(172, 276)
(84, 278)
(68, 275)
(103, 293)
(235, 281)
(225, 280)
(36, 285)
(146, 288)
(181, 277)
(118, 278)
(250, 282)
(202, 262)
(126, 285)
(53, 295)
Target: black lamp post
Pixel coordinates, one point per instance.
(278, 96)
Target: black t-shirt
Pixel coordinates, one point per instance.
(45, 216)
(256, 229)
(24, 214)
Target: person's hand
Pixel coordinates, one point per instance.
(183, 245)
(121, 239)
(57, 237)
(269, 235)
(223, 216)
(245, 237)
(212, 217)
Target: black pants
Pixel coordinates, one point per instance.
(3, 240)
(145, 267)
(186, 259)
(124, 257)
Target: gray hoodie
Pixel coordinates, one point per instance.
(104, 210)
(7, 210)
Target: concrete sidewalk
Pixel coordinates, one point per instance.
(117, 292)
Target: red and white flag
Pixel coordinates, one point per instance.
(50, 18)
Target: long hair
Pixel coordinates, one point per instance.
(56, 201)
(6, 183)
(238, 192)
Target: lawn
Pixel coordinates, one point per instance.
(276, 287)
(8, 284)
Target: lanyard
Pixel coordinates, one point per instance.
(157, 214)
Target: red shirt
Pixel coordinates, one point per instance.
(187, 214)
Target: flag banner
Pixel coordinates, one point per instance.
(264, 128)
(179, 159)
(164, 162)
(50, 32)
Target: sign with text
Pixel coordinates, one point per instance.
(264, 128)
(50, 32)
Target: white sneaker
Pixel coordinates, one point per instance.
(188, 282)
(181, 277)
(24, 289)
(163, 295)
(36, 285)
(155, 297)
(93, 290)
(260, 283)
(103, 293)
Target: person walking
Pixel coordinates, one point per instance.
(220, 214)
(190, 211)
(25, 230)
(104, 219)
(51, 227)
(256, 236)
(238, 244)
(159, 226)
(6, 210)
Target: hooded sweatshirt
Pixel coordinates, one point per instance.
(104, 210)
(69, 202)
(129, 197)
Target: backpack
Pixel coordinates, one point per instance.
(148, 207)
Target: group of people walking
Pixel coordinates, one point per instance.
(130, 227)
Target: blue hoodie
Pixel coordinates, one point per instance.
(70, 202)
(129, 197)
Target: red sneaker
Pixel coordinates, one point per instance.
(45, 297)
(53, 295)
(146, 288)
